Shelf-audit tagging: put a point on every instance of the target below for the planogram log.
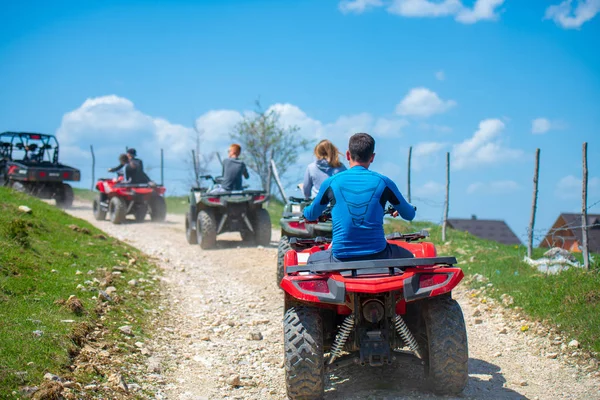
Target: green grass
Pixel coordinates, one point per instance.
(569, 300)
(85, 194)
(41, 254)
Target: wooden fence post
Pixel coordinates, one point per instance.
(269, 174)
(447, 202)
(219, 158)
(162, 168)
(195, 162)
(276, 176)
(408, 178)
(93, 167)
(534, 203)
(584, 222)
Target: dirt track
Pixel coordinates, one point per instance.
(220, 301)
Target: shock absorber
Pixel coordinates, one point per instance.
(341, 338)
(406, 335)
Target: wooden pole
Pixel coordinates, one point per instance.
(276, 176)
(219, 158)
(195, 162)
(446, 203)
(408, 171)
(269, 174)
(93, 167)
(584, 223)
(162, 167)
(534, 202)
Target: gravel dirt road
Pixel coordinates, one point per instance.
(221, 333)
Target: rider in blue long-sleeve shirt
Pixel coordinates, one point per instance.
(358, 197)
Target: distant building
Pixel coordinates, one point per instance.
(566, 233)
(488, 229)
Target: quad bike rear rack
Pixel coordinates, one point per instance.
(391, 264)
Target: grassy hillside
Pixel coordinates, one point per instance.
(48, 256)
(569, 300)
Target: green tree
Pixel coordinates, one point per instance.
(262, 135)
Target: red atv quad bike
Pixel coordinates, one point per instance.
(119, 199)
(373, 313)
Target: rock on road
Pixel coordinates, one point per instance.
(221, 332)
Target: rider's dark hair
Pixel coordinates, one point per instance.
(361, 147)
(131, 151)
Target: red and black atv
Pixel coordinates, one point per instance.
(29, 163)
(119, 199)
(372, 313)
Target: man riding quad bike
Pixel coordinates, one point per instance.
(29, 163)
(365, 298)
(122, 196)
(213, 212)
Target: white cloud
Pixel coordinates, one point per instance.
(422, 102)
(484, 148)
(543, 125)
(390, 128)
(571, 14)
(429, 189)
(482, 9)
(494, 187)
(427, 148)
(440, 75)
(358, 6)
(570, 187)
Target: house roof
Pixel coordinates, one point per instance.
(488, 229)
(573, 222)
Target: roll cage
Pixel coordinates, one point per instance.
(36, 146)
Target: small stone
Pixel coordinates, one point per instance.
(573, 344)
(38, 333)
(233, 380)
(255, 336)
(90, 387)
(522, 383)
(478, 321)
(102, 295)
(139, 345)
(111, 289)
(551, 355)
(78, 272)
(126, 330)
(503, 331)
(497, 354)
(51, 377)
(477, 313)
(25, 209)
(132, 282)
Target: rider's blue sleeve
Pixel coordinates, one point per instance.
(406, 210)
(313, 211)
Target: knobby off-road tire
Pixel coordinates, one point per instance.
(117, 210)
(284, 246)
(206, 230)
(447, 367)
(99, 213)
(65, 196)
(262, 227)
(158, 209)
(140, 212)
(190, 234)
(303, 345)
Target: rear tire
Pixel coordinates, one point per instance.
(117, 210)
(303, 345)
(206, 230)
(447, 368)
(99, 213)
(284, 246)
(158, 209)
(64, 198)
(140, 212)
(190, 234)
(262, 227)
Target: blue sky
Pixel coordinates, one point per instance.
(488, 80)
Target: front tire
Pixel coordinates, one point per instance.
(190, 234)
(303, 345)
(64, 198)
(99, 212)
(206, 230)
(117, 210)
(262, 227)
(447, 348)
(158, 209)
(282, 249)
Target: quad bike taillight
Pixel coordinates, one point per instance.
(297, 225)
(259, 198)
(214, 200)
(428, 280)
(317, 285)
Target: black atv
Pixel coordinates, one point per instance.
(293, 226)
(29, 164)
(213, 212)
